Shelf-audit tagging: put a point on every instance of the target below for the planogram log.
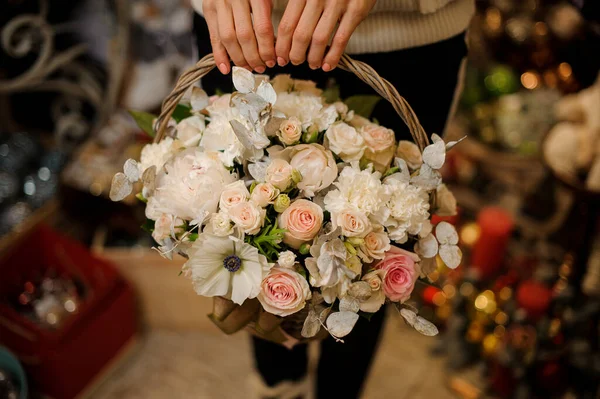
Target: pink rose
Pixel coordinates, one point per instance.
(283, 292)
(302, 220)
(400, 273)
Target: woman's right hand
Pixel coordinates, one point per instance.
(241, 31)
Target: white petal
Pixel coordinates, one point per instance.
(243, 80)
(199, 100)
(132, 170)
(266, 91)
(216, 284)
(434, 154)
(427, 247)
(241, 287)
(349, 304)
(446, 233)
(120, 188)
(340, 324)
(451, 255)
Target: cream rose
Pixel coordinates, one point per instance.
(378, 138)
(284, 292)
(279, 174)
(409, 151)
(445, 201)
(316, 165)
(345, 141)
(302, 220)
(377, 298)
(353, 223)
(375, 245)
(233, 194)
(290, 131)
(264, 194)
(248, 216)
(165, 226)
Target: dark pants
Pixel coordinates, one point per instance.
(426, 77)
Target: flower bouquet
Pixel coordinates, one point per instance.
(297, 215)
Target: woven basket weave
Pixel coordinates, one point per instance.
(228, 316)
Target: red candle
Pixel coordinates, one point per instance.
(534, 297)
(495, 226)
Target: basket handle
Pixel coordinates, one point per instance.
(363, 71)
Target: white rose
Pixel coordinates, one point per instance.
(315, 164)
(158, 154)
(345, 141)
(352, 222)
(378, 138)
(375, 245)
(445, 201)
(233, 194)
(189, 130)
(290, 131)
(279, 174)
(220, 225)
(409, 151)
(264, 194)
(190, 185)
(287, 259)
(165, 226)
(248, 216)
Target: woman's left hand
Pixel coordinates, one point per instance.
(312, 23)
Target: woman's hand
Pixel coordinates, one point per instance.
(241, 30)
(312, 23)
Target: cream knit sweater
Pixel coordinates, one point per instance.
(399, 24)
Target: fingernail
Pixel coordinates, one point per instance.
(223, 69)
(326, 67)
(313, 67)
(260, 69)
(281, 61)
(270, 63)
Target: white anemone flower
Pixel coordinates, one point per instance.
(225, 266)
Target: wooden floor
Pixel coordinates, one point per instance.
(176, 365)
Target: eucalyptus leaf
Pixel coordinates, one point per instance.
(434, 154)
(120, 188)
(132, 170)
(349, 304)
(311, 326)
(144, 121)
(446, 233)
(360, 290)
(243, 80)
(149, 181)
(428, 266)
(409, 316)
(451, 255)
(425, 327)
(341, 324)
(428, 179)
(451, 144)
(427, 247)
(266, 92)
(362, 105)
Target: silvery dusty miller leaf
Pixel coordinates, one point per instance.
(311, 325)
(446, 233)
(199, 100)
(266, 91)
(120, 188)
(243, 80)
(451, 255)
(427, 247)
(409, 316)
(425, 327)
(131, 169)
(434, 154)
(340, 324)
(349, 304)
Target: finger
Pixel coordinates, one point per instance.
(322, 35)
(347, 26)
(219, 51)
(286, 29)
(245, 35)
(304, 31)
(263, 27)
(228, 35)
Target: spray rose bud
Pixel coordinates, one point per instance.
(311, 135)
(304, 249)
(296, 176)
(351, 250)
(355, 241)
(282, 202)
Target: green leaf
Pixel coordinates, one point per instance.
(332, 94)
(390, 172)
(181, 112)
(193, 236)
(144, 121)
(140, 197)
(148, 225)
(362, 105)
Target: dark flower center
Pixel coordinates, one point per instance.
(232, 263)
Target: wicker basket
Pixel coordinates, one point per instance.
(228, 316)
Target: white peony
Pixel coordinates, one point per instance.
(157, 154)
(248, 216)
(345, 141)
(190, 186)
(225, 266)
(286, 259)
(189, 130)
(360, 189)
(409, 209)
(233, 194)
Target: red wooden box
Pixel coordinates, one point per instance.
(61, 363)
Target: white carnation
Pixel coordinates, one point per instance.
(157, 154)
(287, 259)
(409, 209)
